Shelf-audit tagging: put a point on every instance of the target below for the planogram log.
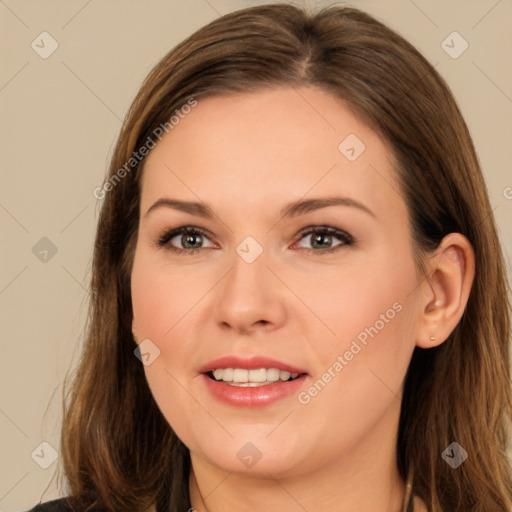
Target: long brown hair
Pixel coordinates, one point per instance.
(118, 451)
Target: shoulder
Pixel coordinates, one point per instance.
(58, 505)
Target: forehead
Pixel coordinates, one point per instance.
(270, 147)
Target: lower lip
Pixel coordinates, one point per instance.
(252, 397)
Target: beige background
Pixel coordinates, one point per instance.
(59, 119)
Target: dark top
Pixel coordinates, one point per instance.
(59, 505)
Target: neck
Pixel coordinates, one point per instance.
(297, 495)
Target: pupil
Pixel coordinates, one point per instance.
(189, 239)
(319, 238)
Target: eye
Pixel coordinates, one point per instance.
(190, 239)
(184, 239)
(321, 239)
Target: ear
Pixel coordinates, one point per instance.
(445, 291)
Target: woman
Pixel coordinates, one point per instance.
(298, 296)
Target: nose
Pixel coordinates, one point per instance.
(250, 298)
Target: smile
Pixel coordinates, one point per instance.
(251, 378)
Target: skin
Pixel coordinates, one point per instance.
(248, 156)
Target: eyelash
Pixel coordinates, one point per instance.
(344, 237)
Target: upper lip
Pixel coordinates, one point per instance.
(249, 363)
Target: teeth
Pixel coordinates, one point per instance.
(273, 374)
(251, 378)
(257, 375)
(240, 375)
(284, 375)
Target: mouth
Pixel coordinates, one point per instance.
(256, 381)
(242, 377)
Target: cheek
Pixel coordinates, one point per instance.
(163, 310)
(360, 371)
(162, 297)
(171, 390)
(361, 367)
(160, 302)
(362, 302)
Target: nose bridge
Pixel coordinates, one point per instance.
(250, 294)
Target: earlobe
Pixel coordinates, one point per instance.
(446, 290)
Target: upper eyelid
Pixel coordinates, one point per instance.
(304, 232)
(171, 233)
(340, 234)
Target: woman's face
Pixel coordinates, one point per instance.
(340, 306)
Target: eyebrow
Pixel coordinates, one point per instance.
(301, 207)
(294, 209)
(194, 208)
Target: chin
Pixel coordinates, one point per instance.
(255, 456)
